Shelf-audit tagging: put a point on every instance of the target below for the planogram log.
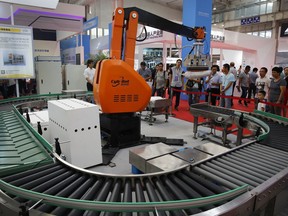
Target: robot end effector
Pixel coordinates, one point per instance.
(195, 61)
(198, 61)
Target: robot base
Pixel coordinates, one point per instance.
(124, 129)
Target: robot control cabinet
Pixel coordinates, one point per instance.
(76, 124)
(73, 78)
(48, 74)
(41, 119)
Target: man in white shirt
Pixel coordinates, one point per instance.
(234, 72)
(89, 73)
(226, 86)
(263, 82)
(176, 81)
(213, 84)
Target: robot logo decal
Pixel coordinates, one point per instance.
(121, 82)
(115, 83)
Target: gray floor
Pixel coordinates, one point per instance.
(174, 128)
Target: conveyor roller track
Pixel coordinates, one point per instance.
(278, 133)
(63, 181)
(254, 164)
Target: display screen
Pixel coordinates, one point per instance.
(16, 52)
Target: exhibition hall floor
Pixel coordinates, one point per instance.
(174, 128)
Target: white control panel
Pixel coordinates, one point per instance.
(76, 124)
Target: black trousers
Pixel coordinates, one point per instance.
(213, 98)
(160, 92)
(4, 91)
(244, 94)
(252, 90)
(177, 94)
(234, 84)
(89, 87)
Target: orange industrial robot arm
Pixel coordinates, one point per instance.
(117, 87)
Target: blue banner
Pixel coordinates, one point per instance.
(68, 48)
(92, 23)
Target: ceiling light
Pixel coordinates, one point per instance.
(214, 8)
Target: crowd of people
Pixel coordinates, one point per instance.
(8, 87)
(268, 94)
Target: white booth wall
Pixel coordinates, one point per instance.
(250, 59)
(265, 48)
(228, 56)
(256, 51)
(239, 57)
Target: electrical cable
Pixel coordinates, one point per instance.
(191, 50)
(141, 40)
(175, 43)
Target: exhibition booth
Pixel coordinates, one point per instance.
(165, 47)
(159, 46)
(106, 151)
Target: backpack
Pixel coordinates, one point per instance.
(200, 85)
(190, 83)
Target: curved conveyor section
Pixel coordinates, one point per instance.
(18, 147)
(62, 189)
(279, 128)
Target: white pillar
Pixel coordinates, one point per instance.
(12, 23)
(221, 57)
(164, 53)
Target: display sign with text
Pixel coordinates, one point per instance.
(250, 20)
(16, 52)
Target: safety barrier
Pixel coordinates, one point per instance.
(231, 97)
